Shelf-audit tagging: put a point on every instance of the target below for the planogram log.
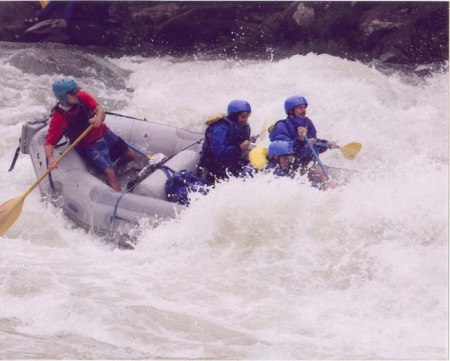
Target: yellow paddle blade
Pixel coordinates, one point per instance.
(258, 157)
(214, 118)
(271, 128)
(351, 150)
(9, 212)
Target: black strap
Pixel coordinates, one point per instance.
(125, 116)
(169, 172)
(50, 178)
(16, 155)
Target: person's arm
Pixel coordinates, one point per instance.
(306, 129)
(99, 117)
(49, 150)
(99, 114)
(219, 145)
(320, 148)
(55, 131)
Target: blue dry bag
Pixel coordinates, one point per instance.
(180, 184)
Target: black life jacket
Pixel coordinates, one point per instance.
(77, 118)
(236, 136)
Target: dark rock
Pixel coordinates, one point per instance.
(395, 32)
(406, 32)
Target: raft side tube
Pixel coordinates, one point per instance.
(154, 184)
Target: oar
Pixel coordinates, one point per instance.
(258, 157)
(138, 151)
(317, 158)
(349, 151)
(214, 118)
(10, 210)
(154, 164)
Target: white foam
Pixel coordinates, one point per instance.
(267, 268)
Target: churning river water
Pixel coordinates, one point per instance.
(262, 269)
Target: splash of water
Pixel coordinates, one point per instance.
(267, 268)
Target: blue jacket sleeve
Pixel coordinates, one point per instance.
(219, 146)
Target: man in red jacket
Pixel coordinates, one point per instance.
(75, 111)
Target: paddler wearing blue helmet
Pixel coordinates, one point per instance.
(280, 159)
(226, 145)
(295, 127)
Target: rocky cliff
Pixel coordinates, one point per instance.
(391, 32)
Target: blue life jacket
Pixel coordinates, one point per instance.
(221, 150)
(286, 129)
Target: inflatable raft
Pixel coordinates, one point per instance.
(89, 201)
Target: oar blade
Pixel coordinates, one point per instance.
(9, 212)
(350, 151)
(214, 118)
(258, 157)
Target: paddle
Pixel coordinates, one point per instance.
(156, 161)
(10, 210)
(349, 151)
(317, 158)
(138, 151)
(214, 118)
(258, 157)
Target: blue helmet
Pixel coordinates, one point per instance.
(293, 101)
(280, 147)
(237, 106)
(62, 86)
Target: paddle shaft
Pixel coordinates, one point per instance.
(10, 210)
(150, 168)
(137, 150)
(325, 144)
(317, 158)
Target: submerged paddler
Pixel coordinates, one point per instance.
(277, 160)
(75, 111)
(281, 159)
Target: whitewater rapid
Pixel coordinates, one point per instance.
(262, 269)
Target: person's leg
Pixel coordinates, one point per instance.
(119, 149)
(127, 157)
(97, 156)
(111, 179)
